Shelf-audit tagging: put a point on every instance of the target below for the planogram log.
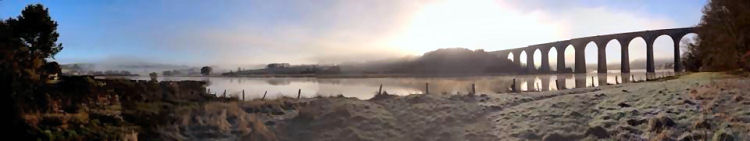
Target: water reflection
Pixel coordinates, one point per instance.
(365, 88)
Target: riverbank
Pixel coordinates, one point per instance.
(412, 75)
(694, 106)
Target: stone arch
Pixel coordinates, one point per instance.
(590, 51)
(684, 40)
(537, 58)
(637, 53)
(569, 60)
(614, 54)
(664, 50)
(510, 56)
(552, 53)
(681, 43)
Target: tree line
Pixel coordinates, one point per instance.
(723, 38)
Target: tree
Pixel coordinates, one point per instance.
(25, 44)
(153, 76)
(724, 34)
(206, 70)
(27, 41)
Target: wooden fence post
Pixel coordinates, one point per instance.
(264, 96)
(473, 89)
(513, 86)
(299, 93)
(380, 89)
(426, 88)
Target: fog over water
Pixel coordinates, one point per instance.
(365, 88)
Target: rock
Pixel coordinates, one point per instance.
(270, 123)
(560, 137)
(574, 114)
(635, 112)
(277, 112)
(635, 122)
(738, 98)
(623, 105)
(660, 123)
(691, 136)
(527, 134)
(688, 102)
(723, 136)
(624, 90)
(598, 132)
(702, 124)
(629, 130)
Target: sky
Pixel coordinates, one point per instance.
(244, 32)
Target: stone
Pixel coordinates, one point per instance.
(635, 122)
(660, 123)
(688, 102)
(574, 114)
(270, 123)
(623, 105)
(560, 137)
(723, 136)
(738, 98)
(691, 136)
(598, 132)
(702, 124)
(527, 134)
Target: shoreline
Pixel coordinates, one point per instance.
(631, 111)
(666, 108)
(392, 75)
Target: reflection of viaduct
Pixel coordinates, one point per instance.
(579, 44)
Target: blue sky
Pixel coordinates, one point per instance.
(238, 32)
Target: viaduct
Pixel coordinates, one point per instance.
(579, 44)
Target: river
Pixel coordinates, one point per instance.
(365, 88)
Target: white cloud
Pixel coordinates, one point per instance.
(344, 31)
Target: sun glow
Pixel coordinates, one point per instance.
(481, 24)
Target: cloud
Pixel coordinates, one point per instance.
(333, 31)
(327, 32)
